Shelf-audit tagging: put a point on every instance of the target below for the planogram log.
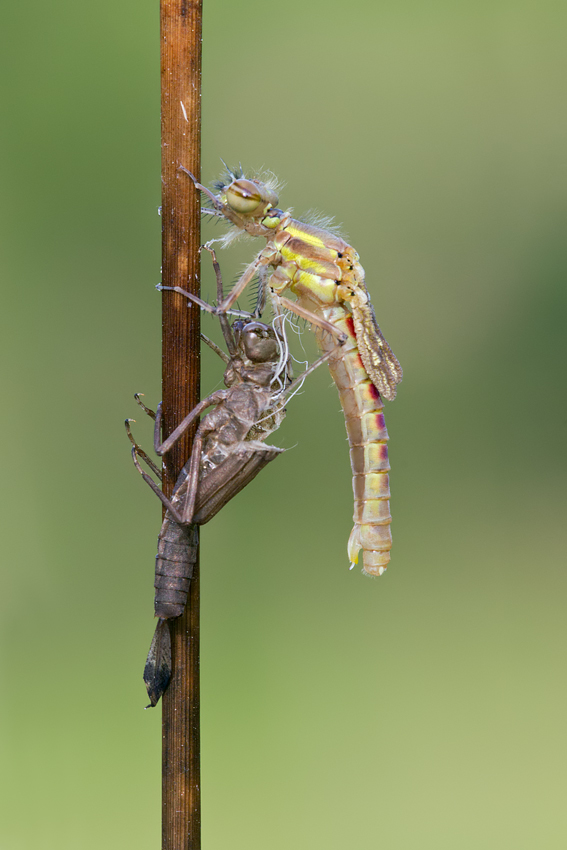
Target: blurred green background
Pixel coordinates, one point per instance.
(422, 710)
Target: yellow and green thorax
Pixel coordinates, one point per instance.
(314, 263)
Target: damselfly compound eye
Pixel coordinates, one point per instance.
(243, 196)
(250, 197)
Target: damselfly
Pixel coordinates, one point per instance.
(324, 273)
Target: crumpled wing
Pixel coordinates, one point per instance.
(378, 358)
(227, 480)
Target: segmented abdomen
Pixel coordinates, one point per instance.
(367, 437)
(175, 562)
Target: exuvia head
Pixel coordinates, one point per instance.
(257, 341)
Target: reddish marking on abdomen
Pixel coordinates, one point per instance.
(373, 392)
(350, 325)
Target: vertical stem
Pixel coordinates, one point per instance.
(181, 141)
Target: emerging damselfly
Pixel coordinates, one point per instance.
(228, 452)
(324, 273)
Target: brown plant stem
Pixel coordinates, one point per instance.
(180, 36)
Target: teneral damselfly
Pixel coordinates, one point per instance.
(324, 273)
